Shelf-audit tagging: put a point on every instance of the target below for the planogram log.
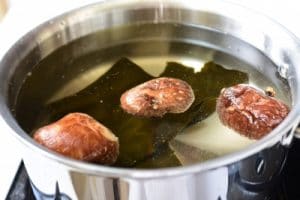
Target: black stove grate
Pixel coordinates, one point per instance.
(20, 188)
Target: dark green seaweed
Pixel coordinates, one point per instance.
(144, 140)
(164, 157)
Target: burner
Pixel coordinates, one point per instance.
(22, 189)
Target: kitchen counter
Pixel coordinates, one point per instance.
(22, 16)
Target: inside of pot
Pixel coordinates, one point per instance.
(75, 66)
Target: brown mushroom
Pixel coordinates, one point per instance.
(157, 97)
(81, 137)
(249, 111)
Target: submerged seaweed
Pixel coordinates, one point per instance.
(144, 141)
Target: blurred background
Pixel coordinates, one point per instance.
(18, 17)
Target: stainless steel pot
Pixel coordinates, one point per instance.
(248, 174)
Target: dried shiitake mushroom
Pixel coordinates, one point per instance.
(157, 97)
(249, 111)
(81, 137)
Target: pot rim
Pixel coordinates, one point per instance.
(277, 135)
